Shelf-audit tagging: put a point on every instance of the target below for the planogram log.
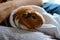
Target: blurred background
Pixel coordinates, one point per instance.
(52, 1)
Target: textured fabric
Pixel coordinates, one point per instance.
(7, 33)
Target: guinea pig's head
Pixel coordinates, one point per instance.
(28, 18)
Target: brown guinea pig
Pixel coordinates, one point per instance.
(26, 18)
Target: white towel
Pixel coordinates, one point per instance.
(7, 33)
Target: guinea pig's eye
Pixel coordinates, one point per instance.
(34, 17)
(25, 15)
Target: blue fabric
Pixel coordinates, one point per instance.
(52, 8)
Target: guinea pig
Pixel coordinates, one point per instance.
(26, 18)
